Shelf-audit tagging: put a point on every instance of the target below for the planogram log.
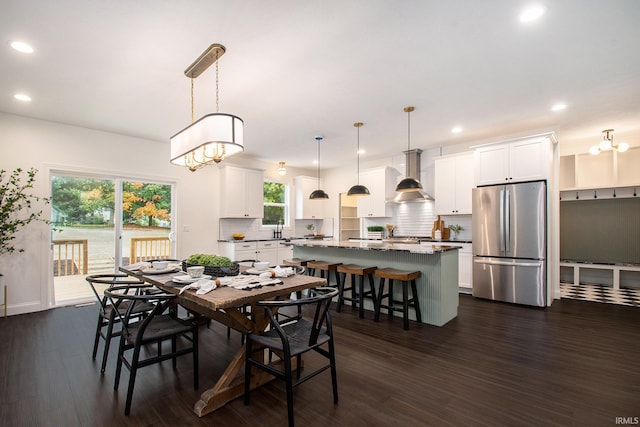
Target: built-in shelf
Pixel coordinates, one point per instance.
(608, 169)
(349, 221)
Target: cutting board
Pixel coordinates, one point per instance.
(438, 224)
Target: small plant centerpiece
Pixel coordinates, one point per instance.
(214, 265)
(375, 231)
(456, 228)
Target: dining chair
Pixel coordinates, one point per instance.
(290, 339)
(159, 326)
(107, 313)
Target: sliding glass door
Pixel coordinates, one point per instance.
(101, 223)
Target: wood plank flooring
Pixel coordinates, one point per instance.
(573, 364)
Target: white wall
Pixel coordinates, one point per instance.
(50, 146)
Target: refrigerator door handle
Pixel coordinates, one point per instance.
(507, 216)
(519, 264)
(501, 220)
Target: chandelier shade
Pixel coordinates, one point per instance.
(209, 139)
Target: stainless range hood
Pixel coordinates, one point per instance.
(413, 166)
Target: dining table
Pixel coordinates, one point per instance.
(227, 305)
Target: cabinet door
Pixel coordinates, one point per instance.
(491, 164)
(305, 207)
(268, 251)
(445, 186)
(284, 252)
(254, 194)
(529, 160)
(464, 184)
(375, 205)
(233, 183)
(465, 266)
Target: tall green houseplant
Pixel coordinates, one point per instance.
(17, 206)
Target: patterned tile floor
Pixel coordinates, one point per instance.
(599, 293)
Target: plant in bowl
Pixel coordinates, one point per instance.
(214, 265)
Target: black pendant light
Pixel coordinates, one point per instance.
(319, 194)
(409, 184)
(358, 190)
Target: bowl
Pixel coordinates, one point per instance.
(195, 271)
(260, 265)
(238, 236)
(160, 265)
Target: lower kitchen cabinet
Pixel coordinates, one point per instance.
(465, 267)
(260, 250)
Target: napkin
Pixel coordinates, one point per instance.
(278, 271)
(202, 286)
(138, 265)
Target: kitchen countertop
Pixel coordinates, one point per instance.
(377, 246)
(282, 239)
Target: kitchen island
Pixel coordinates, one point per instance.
(437, 286)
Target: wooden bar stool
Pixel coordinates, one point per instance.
(296, 262)
(405, 277)
(357, 294)
(324, 266)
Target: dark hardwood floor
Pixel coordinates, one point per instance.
(573, 364)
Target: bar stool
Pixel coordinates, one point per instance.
(405, 277)
(296, 262)
(357, 294)
(324, 266)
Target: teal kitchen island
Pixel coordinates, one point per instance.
(437, 286)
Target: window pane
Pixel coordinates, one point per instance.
(273, 214)
(274, 192)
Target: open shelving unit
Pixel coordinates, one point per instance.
(349, 221)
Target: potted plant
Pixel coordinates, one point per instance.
(456, 228)
(17, 209)
(375, 231)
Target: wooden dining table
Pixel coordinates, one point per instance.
(226, 305)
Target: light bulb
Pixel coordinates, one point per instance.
(605, 145)
(622, 147)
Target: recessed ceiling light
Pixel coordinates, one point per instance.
(532, 13)
(559, 106)
(22, 97)
(21, 46)
(456, 129)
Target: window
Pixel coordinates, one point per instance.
(276, 203)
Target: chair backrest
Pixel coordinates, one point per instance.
(159, 300)
(110, 280)
(321, 297)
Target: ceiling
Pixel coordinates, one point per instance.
(296, 69)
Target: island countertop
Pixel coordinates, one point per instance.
(376, 246)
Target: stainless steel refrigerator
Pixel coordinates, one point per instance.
(509, 243)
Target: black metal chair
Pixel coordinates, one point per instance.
(157, 327)
(107, 315)
(292, 339)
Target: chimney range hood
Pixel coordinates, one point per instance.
(412, 165)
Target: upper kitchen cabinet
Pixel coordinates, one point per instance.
(241, 192)
(381, 183)
(520, 160)
(453, 184)
(305, 207)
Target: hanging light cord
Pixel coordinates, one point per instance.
(317, 139)
(408, 140)
(192, 110)
(358, 152)
(217, 90)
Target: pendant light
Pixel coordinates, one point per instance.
(409, 184)
(319, 194)
(214, 136)
(358, 190)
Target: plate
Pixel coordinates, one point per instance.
(152, 270)
(188, 279)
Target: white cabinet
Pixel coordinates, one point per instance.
(261, 250)
(453, 184)
(525, 159)
(465, 265)
(381, 183)
(305, 207)
(241, 192)
(284, 252)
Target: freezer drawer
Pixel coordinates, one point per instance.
(509, 280)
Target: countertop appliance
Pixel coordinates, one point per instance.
(509, 243)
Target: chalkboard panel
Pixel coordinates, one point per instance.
(601, 231)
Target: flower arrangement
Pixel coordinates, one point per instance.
(456, 228)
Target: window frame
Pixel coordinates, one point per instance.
(286, 205)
